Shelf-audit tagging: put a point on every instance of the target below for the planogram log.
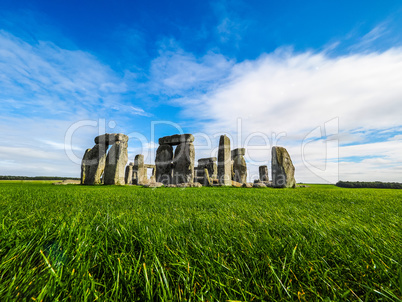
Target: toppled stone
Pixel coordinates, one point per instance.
(224, 161)
(263, 171)
(153, 185)
(115, 164)
(283, 170)
(236, 184)
(163, 164)
(189, 185)
(67, 182)
(183, 163)
(247, 185)
(111, 138)
(176, 139)
(259, 185)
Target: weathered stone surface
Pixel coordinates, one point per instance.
(163, 163)
(153, 185)
(210, 164)
(115, 164)
(282, 168)
(247, 185)
(207, 180)
(236, 184)
(93, 165)
(111, 138)
(240, 169)
(183, 163)
(238, 151)
(224, 161)
(128, 178)
(259, 185)
(263, 170)
(176, 139)
(139, 168)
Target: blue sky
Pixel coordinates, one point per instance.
(321, 78)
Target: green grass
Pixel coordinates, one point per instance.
(79, 243)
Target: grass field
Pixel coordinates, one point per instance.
(76, 243)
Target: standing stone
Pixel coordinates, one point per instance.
(239, 172)
(240, 169)
(129, 174)
(282, 168)
(183, 163)
(263, 173)
(224, 161)
(139, 167)
(163, 164)
(115, 163)
(93, 165)
(210, 164)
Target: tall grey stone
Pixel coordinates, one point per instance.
(183, 163)
(224, 161)
(129, 174)
(239, 166)
(263, 170)
(115, 163)
(282, 168)
(93, 165)
(163, 164)
(139, 168)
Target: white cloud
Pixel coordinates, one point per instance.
(295, 93)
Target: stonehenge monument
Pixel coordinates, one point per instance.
(174, 165)
(282, 168)
(224, 162)
(97, 162)
(175, 168)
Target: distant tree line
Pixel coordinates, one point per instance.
(368, 184)
(8, 177)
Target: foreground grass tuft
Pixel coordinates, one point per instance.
(78, 243)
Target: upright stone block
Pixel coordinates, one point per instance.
(224, 161)
(115, 164)
(93, 165)
(263, 173)
(239, 169)
(282, 168)
(163, 164)
(183, 163)
(129, 174)
(139, 167)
